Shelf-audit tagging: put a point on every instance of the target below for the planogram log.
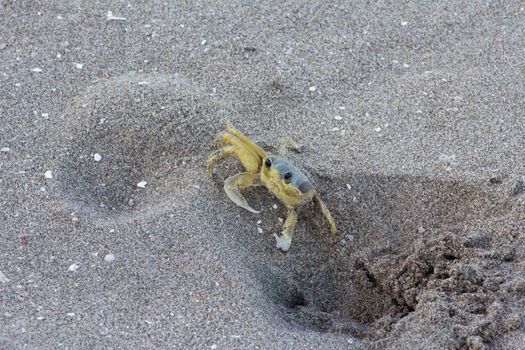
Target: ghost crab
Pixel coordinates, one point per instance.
(275, 172)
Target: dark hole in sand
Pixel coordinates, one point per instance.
(296, 299)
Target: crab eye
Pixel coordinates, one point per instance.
(287, 176)
(268, 162)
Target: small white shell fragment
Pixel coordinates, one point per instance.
(79, 65)
(109, 258)
(378, 129)
(312, 88)
(45, 115)
(73, 267)
(97, 157)
(3, 278)
(338, 117)
(5, 149)
(280, 220)
(260, 230)
(405, 65)
(36, 70)
(335, 129)
(70, 314)
(274, 206)
(143, 83)
(42, 189)
(421, 229)
(110, 17)
(196, 186)
(404, 23)
(142, 184)
(349, 186)
(203, 42)
(48, 174)
(259, 222)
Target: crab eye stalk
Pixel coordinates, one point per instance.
(287, 176)
(268, 162)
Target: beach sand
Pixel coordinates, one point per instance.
(410, 118)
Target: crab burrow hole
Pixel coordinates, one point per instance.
(360, 286)
(129, 138)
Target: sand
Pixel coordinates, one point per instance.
(411, 121)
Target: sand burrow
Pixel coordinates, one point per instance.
(408, 245)
(129, 132)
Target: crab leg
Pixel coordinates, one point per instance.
(248, 158)
(235, 183)
(285, 143)
(326, 213)
(218, 155)
(285, 239)
(245, 141)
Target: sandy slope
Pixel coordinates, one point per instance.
(411, 118)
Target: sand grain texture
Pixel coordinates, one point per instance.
(411, 121)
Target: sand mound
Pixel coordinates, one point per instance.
(448, 275)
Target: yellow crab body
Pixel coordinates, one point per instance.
(291, 194)
(275, 172)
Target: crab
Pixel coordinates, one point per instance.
(283, 179)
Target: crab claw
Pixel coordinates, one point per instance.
(231, 187)
(283, 242)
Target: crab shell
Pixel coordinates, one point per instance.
(275, 172)
(298, 190)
